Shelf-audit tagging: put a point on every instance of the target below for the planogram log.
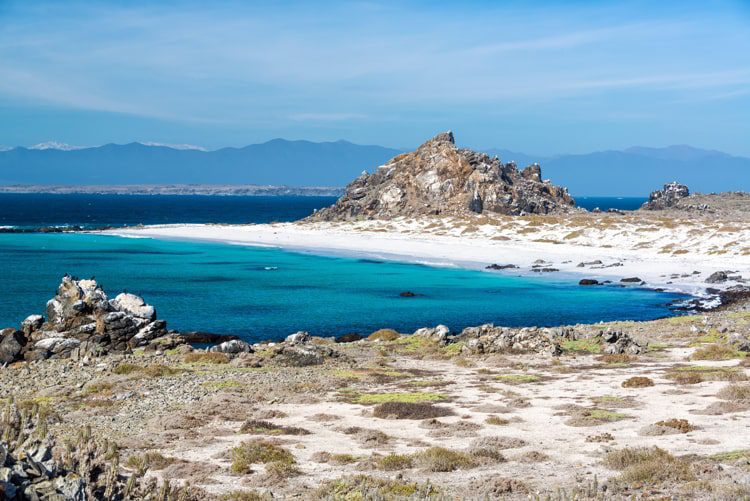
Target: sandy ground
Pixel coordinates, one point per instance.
(662, 252)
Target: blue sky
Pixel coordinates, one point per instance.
(539, 77)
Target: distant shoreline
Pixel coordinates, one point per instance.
(176, 189)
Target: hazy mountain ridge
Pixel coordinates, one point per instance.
(635, 171)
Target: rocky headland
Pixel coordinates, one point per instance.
(441, 179)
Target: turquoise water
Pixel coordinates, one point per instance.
(263, 293)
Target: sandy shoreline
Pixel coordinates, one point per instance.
(401, 242)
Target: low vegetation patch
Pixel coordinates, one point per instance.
(410, 410)
(258, 451)
(585, 345)
(637, 382)
(648, 465)
(153, 370)
(440, 459)
(715, 352)
(706, 373)
(497, 421)
(518, 378)
(394, 462)
(360, 487)
(594, 417)
(413, 397)
(384, 335)
(735, 392)
(681, 425)
(616, 359)
(206, 357)
(259, 427)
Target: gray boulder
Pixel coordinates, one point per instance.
(667, 197)
(11, 345)
(233, 347)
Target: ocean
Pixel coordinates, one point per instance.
(267, 293)
(39, 210)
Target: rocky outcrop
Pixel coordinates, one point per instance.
(667, 197)
(82, 321)
(440, 178)
(490, 339)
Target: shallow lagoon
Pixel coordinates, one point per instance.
(262, 293)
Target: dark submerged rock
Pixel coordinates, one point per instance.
(588, 281)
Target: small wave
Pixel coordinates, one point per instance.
(270, 268)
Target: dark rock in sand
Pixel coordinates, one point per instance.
(544, 270)
(590, 263)
(588, 281)
(631, 280)
(500, 267)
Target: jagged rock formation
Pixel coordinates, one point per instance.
(440, 178)
(666, 197)
(82, 321)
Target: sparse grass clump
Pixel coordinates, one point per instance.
(715, 352)
(518, 378)
(616, 358)
(258, 451)
(707, 373)
(394, 462)
(245, 496)
(648, 465)
(594, 417)
(440, 459)
(410, 410)
(585, 345)
(637, 382)
(360, 487)
(497, 421)
(414, 397)
(278, 471)
(259, 427)
(735, 393)
(384, 335)
(206, 357)
(153, 370)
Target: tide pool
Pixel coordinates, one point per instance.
(265, 293)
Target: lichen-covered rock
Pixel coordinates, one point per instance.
(134, 305)
(618, 342)
(667, 197)
(440, 178)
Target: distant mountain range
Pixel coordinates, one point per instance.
(632, 172)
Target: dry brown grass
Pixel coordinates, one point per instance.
(203, 357)
(681, 425)
(259, 427)
(714, 352)
(440, 459)
(384, 335)
(648, 465)
(637, 382)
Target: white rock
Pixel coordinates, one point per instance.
(297, 338)
(233, 346)
(134, 305)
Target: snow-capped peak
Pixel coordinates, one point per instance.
(55, 145)
(175, 146)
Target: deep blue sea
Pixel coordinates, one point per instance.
(36, 210)
(264, 293)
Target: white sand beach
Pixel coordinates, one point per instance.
(663, 254)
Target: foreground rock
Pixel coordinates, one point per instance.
(82, 321)
(440, 178)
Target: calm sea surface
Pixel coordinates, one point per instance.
(35, 210)
(263, 293)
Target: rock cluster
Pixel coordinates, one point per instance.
(490, 339)
(82, 321)
(666, 197)
(440, 178)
